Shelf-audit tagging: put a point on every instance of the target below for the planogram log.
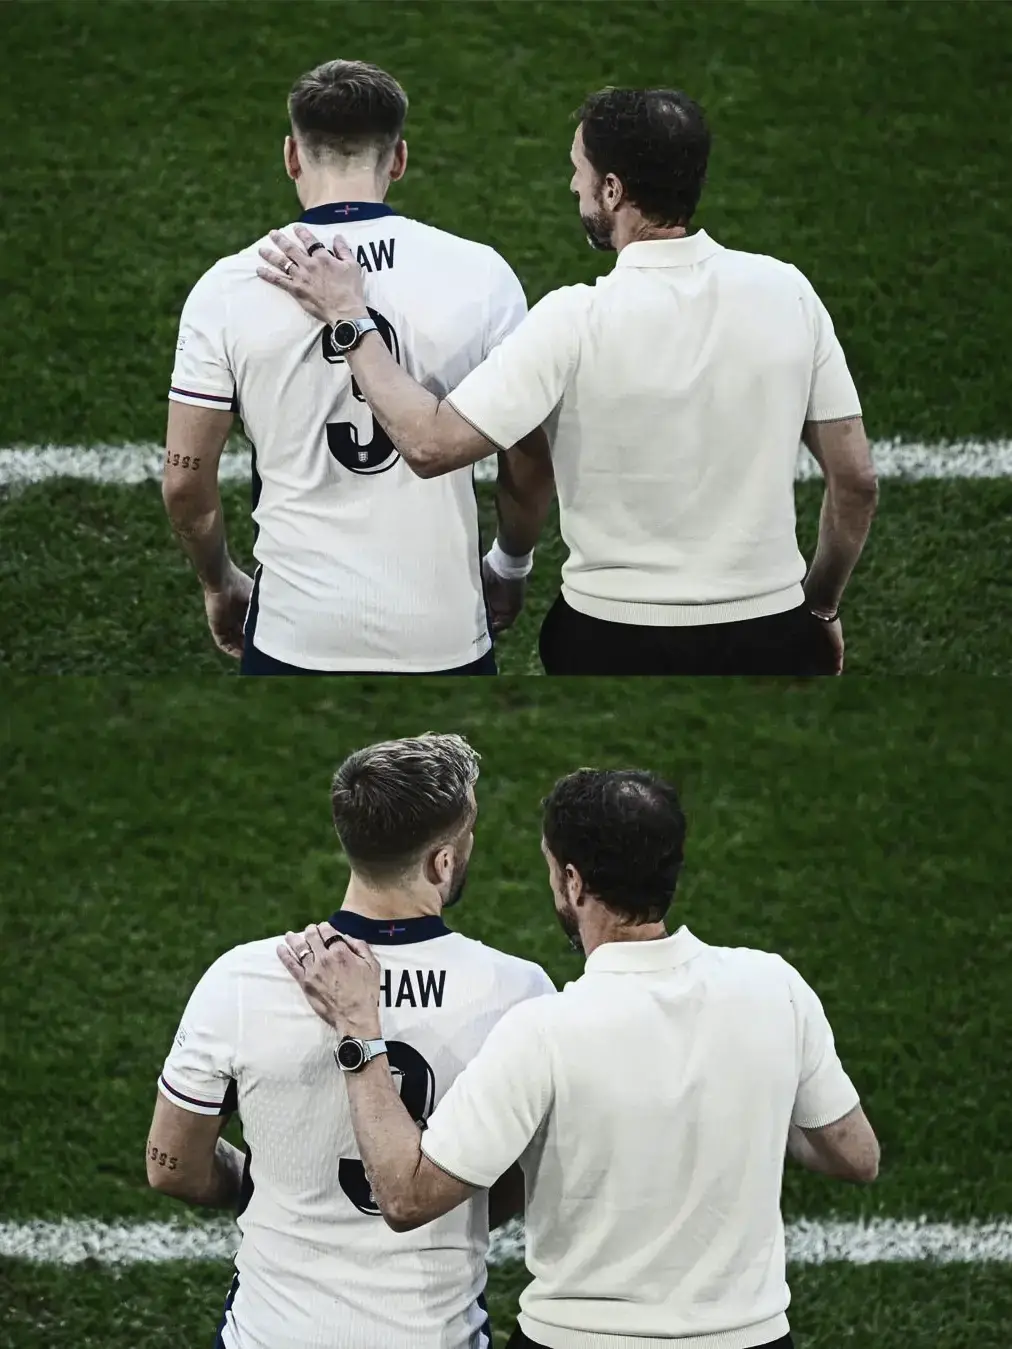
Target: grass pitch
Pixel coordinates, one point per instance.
(861, 141)
(857, 828)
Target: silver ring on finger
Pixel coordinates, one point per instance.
(307, 951)
(288, 268)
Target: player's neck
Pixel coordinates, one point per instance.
(327, 188)
(391, 902)
(633, 229)
(606, 929)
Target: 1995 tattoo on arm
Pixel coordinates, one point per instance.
(161, 1158)
(175, 460)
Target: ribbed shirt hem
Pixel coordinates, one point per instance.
(556, 1337)
(684, 615)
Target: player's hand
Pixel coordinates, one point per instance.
(341, 981)
(328, 284)
(505, 599)
(834, 631)
(226, 611)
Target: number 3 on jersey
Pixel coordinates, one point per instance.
(374, 452)
(418, 1090)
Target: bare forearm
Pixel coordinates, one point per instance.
(389, 1140)
(342, 983)
(405, 410)
(805, 1154)
(226, 1176)
(844, 523)
(199, 525)
(802, 1152)
(523, 499)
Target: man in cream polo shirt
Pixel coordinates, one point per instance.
(682, 386)
(650, 1104)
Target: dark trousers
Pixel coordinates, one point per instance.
(794, 643)
(518, 1340)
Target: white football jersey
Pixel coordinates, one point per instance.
(362, 565)
(317, 1267)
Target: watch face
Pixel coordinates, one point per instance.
(345, 334)
(350, 1055)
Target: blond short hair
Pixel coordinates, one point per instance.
(395, 800)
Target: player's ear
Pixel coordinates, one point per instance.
(438, 866)
(400, 160)
(574, 885)
(291, 156)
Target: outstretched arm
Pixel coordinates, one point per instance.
(342, 985)
(497, 405)
(431, 436)
(494, 1106)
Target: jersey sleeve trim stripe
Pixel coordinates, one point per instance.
(191, 1102)
(194, 393)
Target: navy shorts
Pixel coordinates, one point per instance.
(254, 662)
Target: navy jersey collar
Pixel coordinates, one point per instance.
(387, 932)
(338, 212)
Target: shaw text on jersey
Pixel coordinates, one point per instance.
(382, 255)
(426, 987)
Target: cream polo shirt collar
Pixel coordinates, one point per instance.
(642, 957)
(685, 252)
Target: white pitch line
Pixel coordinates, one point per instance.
(809, 1242)
(128, 464)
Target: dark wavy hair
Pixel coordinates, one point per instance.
(624, 832)
(657, 144)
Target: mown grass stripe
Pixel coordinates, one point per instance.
(809, 1242)
(128, 464)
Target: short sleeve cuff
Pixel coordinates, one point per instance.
(450, 1164)
(500, 441)
(186, 393)
(833, 396)
(830, 1102)
(197, 1101)
(841, 411)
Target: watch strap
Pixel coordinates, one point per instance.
(369, 1049)
(361, 326)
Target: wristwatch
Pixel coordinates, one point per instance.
(353, 1054)
(346, 335)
